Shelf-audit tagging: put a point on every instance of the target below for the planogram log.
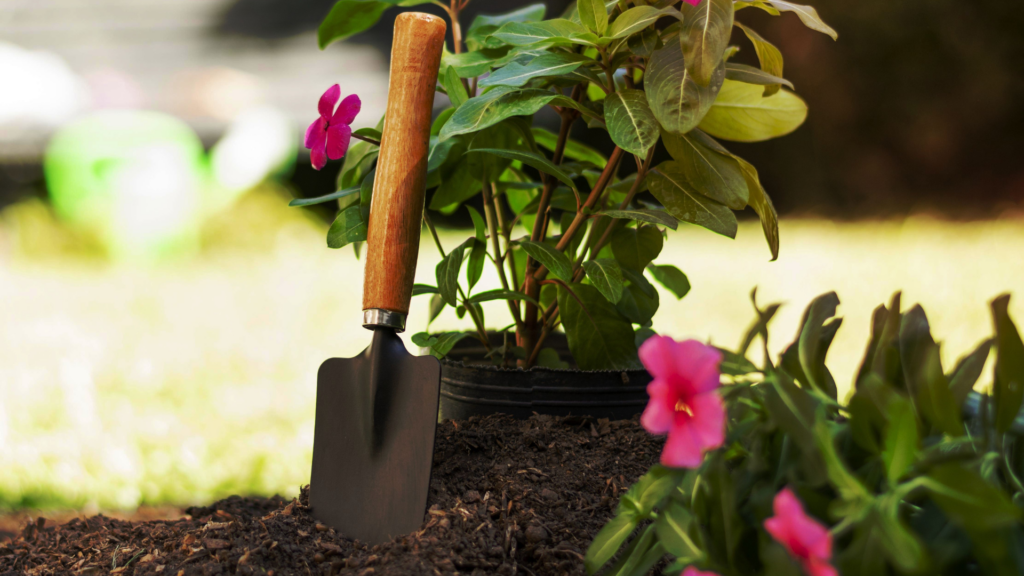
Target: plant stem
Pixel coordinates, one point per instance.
(640, 175)
(481, 331)
(595, 193)
(365, 139)
(456, 29)
(527, 337)
(490, 207)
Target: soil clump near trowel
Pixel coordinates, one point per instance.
(506, 496)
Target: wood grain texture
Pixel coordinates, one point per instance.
(393, 235)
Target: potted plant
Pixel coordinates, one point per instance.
(574, 235)
(768, 473)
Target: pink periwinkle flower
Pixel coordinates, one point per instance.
(691, 571)
(692, 2)
(684, 402)
(328, 136)
(803, 537)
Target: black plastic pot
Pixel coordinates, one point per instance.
(472, 386)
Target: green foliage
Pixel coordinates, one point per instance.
(905, 485)
(653, 75)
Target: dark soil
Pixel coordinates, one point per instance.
(506, 497)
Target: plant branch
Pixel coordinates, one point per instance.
(640, 175)
(481, 331)
(595, 193)
(490, 207)
(365, 139)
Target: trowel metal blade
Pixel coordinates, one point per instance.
(373, 441)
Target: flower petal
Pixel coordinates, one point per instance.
(660, 412)
(337, 141)
(347, 110)
(708, 421)
(699, 363)
(682, 449)
(692, 2)
(820, 568)
(316, 134)
(318, 157)
(803, 536)
(691, 571)
(328, 100)
(656, 353)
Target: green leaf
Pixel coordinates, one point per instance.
(606, 276)
(500, 294)
(531, 13)
(492, 107)
(644, 215)
(1008, 388)
(531, 159)
(447, 273)
(599, 337)
(573, 149)
(705, 35)
(708, 167)
(322, 199)
(457, 186)
(640, 301)
(434, 309)
(758, 200)
(349, 17)
(808, 15)
(967, 371)
(593, 15)
(742, 114)
(651, 490)
(475, 265)
(645, 43)
(922, 371)
(641, 555)
(549, 358)
(609, 540)
(814, 340)
(636, 248)
(555, 261)
(770, 58)
(735, 364)
(676, 99)
(515, 74)
(751, 75)
(741, 4)
(674, 527)
(556, 31)
(348, 227)
(854, 495)
(418, 289)
(671, 186)
(441, 344)
(638, 18)
(479, 226)
(631, 124)
(969, 500)
(672, 278)
(760, 326)
(901, 439)
(484, 25)
(453, 86)
(475, 63)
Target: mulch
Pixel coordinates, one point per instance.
(506, 497)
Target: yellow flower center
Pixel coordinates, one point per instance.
(683, 407)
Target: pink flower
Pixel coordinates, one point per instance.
(803, 537)
(328, 136)
(690, 570)
(692, 2)
(684, 402)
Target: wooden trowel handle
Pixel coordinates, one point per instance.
(393, 235)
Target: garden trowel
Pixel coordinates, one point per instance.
(376, 414)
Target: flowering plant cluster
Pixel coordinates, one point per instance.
(660, 78)
(765, 472)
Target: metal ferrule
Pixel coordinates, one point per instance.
(379, 318)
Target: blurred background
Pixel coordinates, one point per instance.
(163, 312)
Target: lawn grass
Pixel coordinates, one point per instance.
(185, 382)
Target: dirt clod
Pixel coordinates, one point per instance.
(506, 497)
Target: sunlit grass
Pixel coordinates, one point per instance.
(196, 379)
